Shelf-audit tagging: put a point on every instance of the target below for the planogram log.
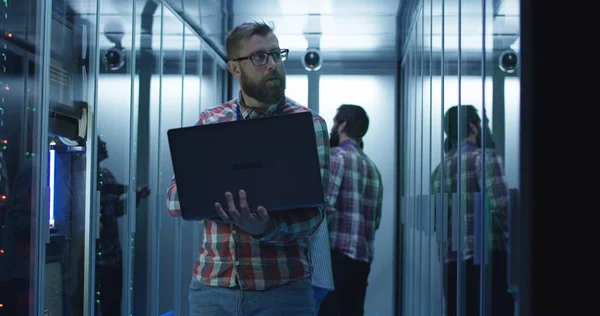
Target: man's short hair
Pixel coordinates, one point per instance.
(356, 118)
(469, 114)
(242, 33)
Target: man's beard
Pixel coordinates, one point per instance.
(334, 138)
(264, 92)
(489, 139)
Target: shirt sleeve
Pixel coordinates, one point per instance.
(300, 223)
(335, 181)
(379, 207)
(173, 206)
(496, 186)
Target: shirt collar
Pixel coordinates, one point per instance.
(349, 143)
(249, 112)
(469, 144)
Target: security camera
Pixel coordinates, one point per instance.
(114, 58)
(312, 60)
(508, 61)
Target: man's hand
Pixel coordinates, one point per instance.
(143, 192)
(253, 223)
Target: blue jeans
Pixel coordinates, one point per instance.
(291, 299)
(319, 294)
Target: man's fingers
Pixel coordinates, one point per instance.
(221, 212)
(244, 208)
(230, 201)
(232, 211)
(262, 213)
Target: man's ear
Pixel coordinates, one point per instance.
(234, 68)
(342, 127)
(473, 128)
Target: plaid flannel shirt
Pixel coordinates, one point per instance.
(355, 196)
(231, 257)
(496, 196)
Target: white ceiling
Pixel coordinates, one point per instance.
(349, 26)
(346, 27)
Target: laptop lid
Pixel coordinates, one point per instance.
(274, 159)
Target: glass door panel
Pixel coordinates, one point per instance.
(116, 136)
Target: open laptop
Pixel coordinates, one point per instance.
(274, 159)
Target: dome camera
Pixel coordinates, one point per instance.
(312, 60)
(508, 61)
(114, 58)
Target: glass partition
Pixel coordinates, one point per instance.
(436, 91)
(149, 139)
(178, 76)
(460, 158)
(88, 90)
(419, 167)
(191, 232)
(209, 80)
(23, 162)
(168, 115)
(74, 210)
(428, 245)
(211, 17)
(47, 157)
(120, 194)
(221, 77)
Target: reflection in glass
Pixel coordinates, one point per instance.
(119, 192)
(70, 97)
(191, 232)
(460, 137)
(168, 115)
(146, 91)
(428, 243)
(46, 90)
(68, 191)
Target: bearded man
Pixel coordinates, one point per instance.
(255, 263)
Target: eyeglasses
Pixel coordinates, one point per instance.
(261, 59)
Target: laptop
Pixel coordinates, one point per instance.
(274, 159)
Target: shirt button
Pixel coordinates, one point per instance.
(237, 263)
(234, 232)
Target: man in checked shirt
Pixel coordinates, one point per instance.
(473, 160)
(355, 196)
(255, 263)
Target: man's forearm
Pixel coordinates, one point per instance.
(286, 226)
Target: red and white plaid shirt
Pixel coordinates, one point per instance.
(231, 257)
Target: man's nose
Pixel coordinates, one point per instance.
(270, 62)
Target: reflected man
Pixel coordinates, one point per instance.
(109, 261)
(473, 160)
